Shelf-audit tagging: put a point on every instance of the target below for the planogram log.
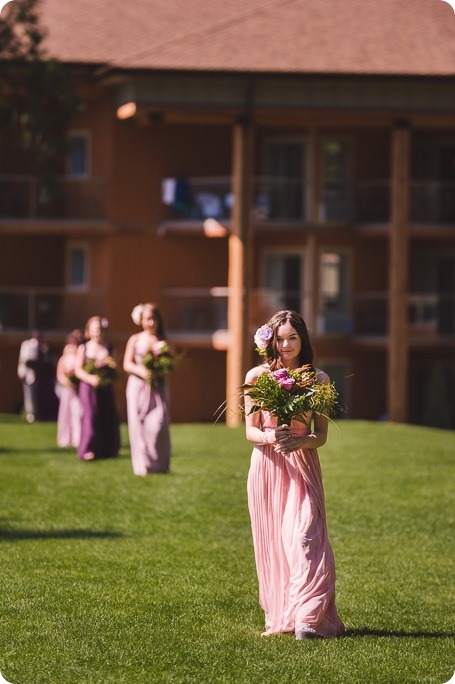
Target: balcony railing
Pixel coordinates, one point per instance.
(48, 308)
(57, 197)
(433, 202)
(280, 199)
(195, 310)
(429, 315)
(276, 199)
(196, 199)
(287, 200)
(432, 315)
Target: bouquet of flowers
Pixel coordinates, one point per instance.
(293, 394)
(160, 360)
(73, 380)
(106, 370)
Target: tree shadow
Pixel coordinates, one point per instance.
(400, 634)
(20, 535)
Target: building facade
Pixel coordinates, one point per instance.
(226, 195)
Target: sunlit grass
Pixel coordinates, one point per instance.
(111, 578)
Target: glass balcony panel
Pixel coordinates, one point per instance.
(59, 198)
(265, 302)
(433, 202)
(51, 309)
(279, 199)
(195, 310)
(196, 199)
(336, 205)
(432, 315)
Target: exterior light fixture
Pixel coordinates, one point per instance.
(126, 111)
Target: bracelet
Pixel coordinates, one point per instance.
(264, 438)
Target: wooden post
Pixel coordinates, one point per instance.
(239, 269)
(397, 370)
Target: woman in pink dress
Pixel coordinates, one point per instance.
(69, 410)
(294, 559)
(147, 401)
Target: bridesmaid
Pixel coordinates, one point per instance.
(69, 411)
(147, 406)
(100, 431)
(294, 559)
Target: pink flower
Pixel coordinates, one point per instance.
(159, 347)
(263, 336)
(284, 379)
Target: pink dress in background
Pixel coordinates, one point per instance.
(148, 422)
(69, 411)
(294, 559)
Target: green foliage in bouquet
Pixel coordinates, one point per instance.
(73, 380)
(106, 371)
(293, 394)
(161, 361)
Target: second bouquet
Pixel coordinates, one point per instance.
(161, 360)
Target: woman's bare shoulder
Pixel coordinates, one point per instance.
(134, 338)
(255, 373)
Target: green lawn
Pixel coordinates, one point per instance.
(108, 578)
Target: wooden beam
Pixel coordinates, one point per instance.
(238, 354)
(398, 357)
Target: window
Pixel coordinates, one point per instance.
(432, 303)
(283, 283)
(433, 186)
(282, 194)
(78, 155)
(334, 313)
(334, 271)
(77, 266)
(336, 199)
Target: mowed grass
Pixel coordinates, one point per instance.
(108, 578)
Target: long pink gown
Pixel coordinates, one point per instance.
(148, 422)
(294, 559)
(69, 410)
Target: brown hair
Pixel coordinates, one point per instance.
(306, 353)
(160, 330)
(75, 337)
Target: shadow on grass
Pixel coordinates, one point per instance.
(19, 535)
(366, 631)
(34, 450)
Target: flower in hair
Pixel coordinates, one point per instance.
(136, 314)
(104, 323)
(262, 337)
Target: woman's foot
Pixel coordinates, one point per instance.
(89, 456)
(305, 633)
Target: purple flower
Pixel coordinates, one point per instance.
(263, 336)
(284, 379)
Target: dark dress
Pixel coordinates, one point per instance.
(100, 429)
(46, 398)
